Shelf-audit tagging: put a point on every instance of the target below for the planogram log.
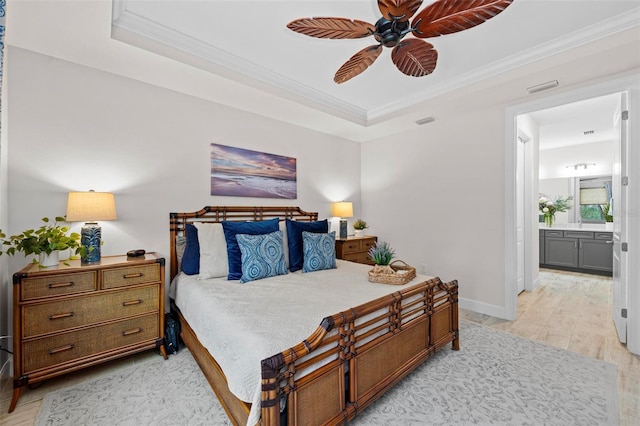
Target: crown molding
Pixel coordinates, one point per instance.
(590, 34)
(160, 39)
(142, 32)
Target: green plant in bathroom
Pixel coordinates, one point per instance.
(607, 212)
(549, 208)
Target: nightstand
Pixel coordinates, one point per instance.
(68, 317)
(355, 249)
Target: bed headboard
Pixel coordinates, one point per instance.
(178, 221)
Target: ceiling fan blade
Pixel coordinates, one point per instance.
(401, 10)
(357, 63)
(415, 57)
(332, 27)
(450, 16)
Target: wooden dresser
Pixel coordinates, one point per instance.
(68, 317)
(355, 249)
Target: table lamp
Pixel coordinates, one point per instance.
(343, 209)
(90, 207)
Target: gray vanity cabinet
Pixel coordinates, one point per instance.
(597, 254)
(585, 251)
(560, 251)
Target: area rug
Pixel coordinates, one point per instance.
(496, 378)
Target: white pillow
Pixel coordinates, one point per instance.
(214, 262)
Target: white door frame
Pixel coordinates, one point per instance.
(631, 85)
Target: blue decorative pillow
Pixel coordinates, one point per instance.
(262, 256)
(319, 251)
(191, 258)
(294, 235)
(231, 229)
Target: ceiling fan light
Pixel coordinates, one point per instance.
(544, 86)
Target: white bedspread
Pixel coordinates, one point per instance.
(241, 324)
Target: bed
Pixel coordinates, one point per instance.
(325, 375)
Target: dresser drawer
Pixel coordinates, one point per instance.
(351, 247)
(122, 277)
(361, 257)
(65, 347)
(86, 310)
(367, 244)
(56, 285)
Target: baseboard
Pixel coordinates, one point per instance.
(535, 283)
(482, 308)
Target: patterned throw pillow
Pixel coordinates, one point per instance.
(294, 234)
(262, 256)
(319, 251)
(231, 229)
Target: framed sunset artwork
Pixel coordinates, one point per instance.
(238, 172)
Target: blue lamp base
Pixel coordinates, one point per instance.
(343, 228)
(90, 239)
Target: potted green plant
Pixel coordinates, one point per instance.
(549, 208)
(382, 254)
(360, 225)
(45, 242)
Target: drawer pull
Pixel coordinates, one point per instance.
(132, 331)
(61, 285)
(60, 349)
(132, 302)
(353, 246)
(136, 275)
(60, 316)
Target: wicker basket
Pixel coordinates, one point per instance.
(396, 273)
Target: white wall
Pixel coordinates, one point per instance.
(553, 162)
(75, 128)
(437, 195)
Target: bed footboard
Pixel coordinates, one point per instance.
(353, 357)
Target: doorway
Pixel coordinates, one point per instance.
(531, 217)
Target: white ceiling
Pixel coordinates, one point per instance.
(572, 124)
(241, 54)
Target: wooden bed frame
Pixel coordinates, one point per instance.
(350, 360)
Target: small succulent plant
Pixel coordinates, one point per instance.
(360, 224)
(382, 253)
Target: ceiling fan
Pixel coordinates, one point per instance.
(412, 56)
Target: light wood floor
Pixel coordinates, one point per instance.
(568, 310)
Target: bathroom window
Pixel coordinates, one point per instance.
(594, 201)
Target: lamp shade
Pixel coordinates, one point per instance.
(343, 209)
(90, 206)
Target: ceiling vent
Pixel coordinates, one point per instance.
(425, 120)
(544, 86)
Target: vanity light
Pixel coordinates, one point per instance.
(577, 166)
